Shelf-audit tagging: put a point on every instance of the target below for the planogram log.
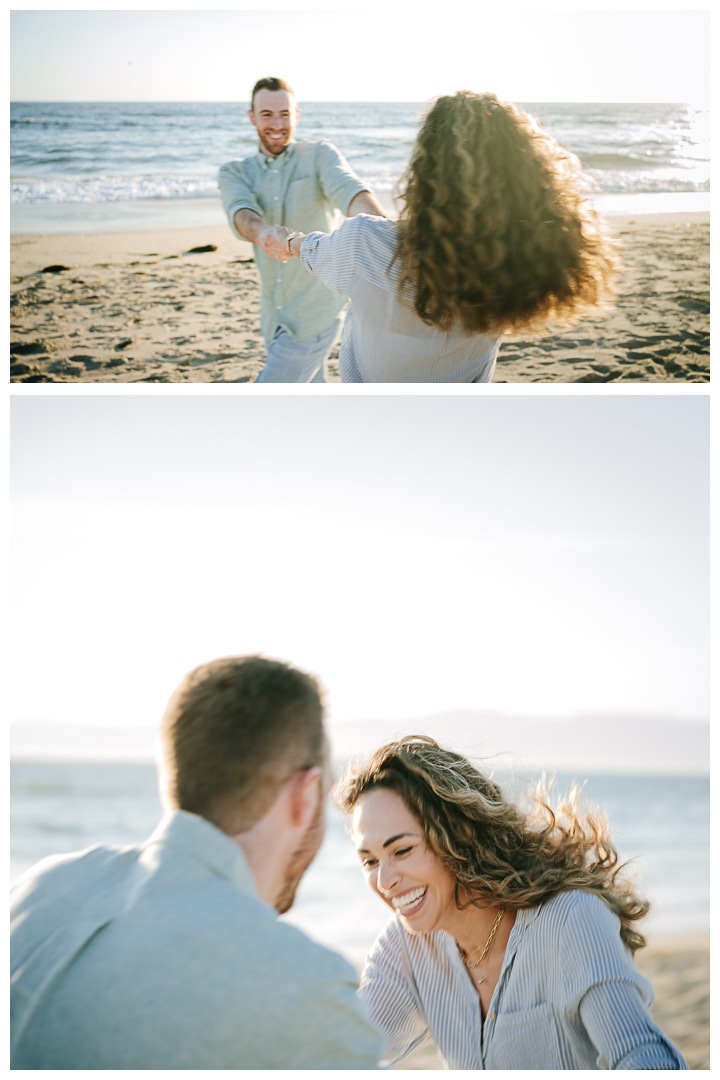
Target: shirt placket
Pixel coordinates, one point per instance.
(473, 1002)
(275, 170)
(488, 1027)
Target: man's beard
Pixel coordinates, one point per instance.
(300, 860)
(273, 150)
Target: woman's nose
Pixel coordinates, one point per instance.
(387, 877)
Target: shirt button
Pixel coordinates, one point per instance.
(276, 197)
(491, 1016)
(279, 307)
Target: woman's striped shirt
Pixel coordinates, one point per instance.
(569, 995)
(384, 340)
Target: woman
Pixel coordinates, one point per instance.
(512, 937)
(494, 237)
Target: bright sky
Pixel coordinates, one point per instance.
(365, 54)
(533, 554)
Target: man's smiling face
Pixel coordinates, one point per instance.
(275, 115)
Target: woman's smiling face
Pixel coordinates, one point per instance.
(398, 864)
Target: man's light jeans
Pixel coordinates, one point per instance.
(292, 361)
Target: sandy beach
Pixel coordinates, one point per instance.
(679, 970)
(146, 307)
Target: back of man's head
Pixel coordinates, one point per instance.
(234, 732)
(270, 83)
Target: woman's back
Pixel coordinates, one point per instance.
(496, 236)
(385, 340)
(497, 232)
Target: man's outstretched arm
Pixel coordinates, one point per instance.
(271, 238)
(365, 203)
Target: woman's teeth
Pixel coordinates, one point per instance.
(409, 901)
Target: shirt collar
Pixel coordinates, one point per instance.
(525, 916)
(287, 155)
(201, 840)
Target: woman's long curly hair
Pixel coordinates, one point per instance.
(496, 234)
(499, 853)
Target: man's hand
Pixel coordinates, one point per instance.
(273, 241)
(271, 238)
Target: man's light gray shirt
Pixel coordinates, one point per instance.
(569, 995)
(384, 340)
(164, 957)
(308, 187)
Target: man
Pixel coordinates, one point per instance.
(170, 955)
(291, 186)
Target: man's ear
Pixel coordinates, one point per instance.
(306, 792)
(251, 117)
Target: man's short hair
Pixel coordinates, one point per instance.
(269, 84)
(234, 732)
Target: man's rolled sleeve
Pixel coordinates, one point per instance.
(339, 183)
(236, 193)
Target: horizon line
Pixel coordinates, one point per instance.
(627, 712)
(562, 770)
(308, 101)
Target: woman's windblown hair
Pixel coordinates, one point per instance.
(498, 852)
(496, 234)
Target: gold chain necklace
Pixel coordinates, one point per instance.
(488, 943)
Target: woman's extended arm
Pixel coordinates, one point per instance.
(622, 1031)
(607, 994)
(363, 246)
(392, 1005)
(332, 257)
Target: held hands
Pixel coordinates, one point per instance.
(273, 241)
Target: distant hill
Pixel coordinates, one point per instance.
(593, 743)
(50, 740)
(590, 742)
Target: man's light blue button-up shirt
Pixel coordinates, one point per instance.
(164, 957)
(308, 187)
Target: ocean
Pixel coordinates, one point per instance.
(660, 822)
(84, 167)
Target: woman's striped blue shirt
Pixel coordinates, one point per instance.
(569, 995)
(384, 340)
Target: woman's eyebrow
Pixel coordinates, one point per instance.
(398, 837)
(366, 851)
